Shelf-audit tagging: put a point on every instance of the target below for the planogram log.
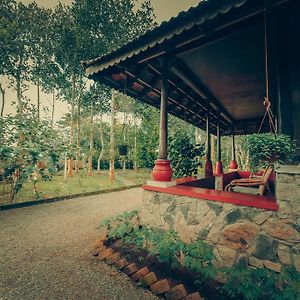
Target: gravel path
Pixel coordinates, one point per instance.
(44, 250)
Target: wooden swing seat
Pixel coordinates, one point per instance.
(260, 182)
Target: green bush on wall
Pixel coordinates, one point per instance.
(242, 282)
(269, 148)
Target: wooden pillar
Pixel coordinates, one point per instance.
(162, 170)
(208, 163)
(219, 167)
(163, 126)
(233, 164)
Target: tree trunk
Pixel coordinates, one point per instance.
(135, 145)
(19, 95)
(78, 135)
(3, 99)
(124, 139)
(83, 163)
(16, 177)
(70, 161)
(53, 106)
(66, 169)
(197, 136)
(243, 157)
(102, 145)
(38, 104)
(213, 148)
(90, 162)
(112, 140)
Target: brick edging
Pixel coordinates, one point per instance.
(67, 197)
(143, 276)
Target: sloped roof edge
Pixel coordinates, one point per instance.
(206, 10)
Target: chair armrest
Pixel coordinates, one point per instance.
(245, 180)
(255, 176)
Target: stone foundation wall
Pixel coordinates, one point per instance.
(258, 237)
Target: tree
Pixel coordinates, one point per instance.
(147, 134)
(28, 155)
(95, 102)
(41, 48)
(15, 61)
(7, 12)
(184, 155)
(108, 24)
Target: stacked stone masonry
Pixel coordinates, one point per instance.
(239, 235)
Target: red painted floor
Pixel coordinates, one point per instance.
(219, 196)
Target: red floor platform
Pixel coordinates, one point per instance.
(265, 202)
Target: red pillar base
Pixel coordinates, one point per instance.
(233, 165)
(162, 170)
(208, 168)
(219, 168)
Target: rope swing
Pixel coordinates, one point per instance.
(267, 103)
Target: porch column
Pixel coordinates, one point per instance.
(233, 164)
(162, 170)
(219, 167)
(208, 163)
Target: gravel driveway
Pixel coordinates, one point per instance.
(44, 250)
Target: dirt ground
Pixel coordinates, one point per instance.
(44, 250)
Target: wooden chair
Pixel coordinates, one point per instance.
(260, 182)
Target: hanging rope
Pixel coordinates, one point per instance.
(267, 102)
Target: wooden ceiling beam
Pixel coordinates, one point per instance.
(156, 91)
(180, 69)
(187, 95)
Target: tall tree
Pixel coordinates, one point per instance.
(95, 103)
(41, 49)
(7, 15)
(15, 48)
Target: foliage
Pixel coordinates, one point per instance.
(268, 148)
(167, 246)
(184, 155)
(147, 135)
(250, 284)
(29, 149)
(198, 258)
(123, 149)
(241, 282)
(120, 226)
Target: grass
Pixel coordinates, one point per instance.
(76, 184)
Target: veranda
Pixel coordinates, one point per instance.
(209, 66)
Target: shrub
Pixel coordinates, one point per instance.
(269, 148)
(242, 282)
(184, 155)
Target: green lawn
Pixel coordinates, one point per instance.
(77, 184)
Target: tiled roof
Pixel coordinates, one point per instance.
(195, 16)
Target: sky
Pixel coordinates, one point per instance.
(164, 10)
